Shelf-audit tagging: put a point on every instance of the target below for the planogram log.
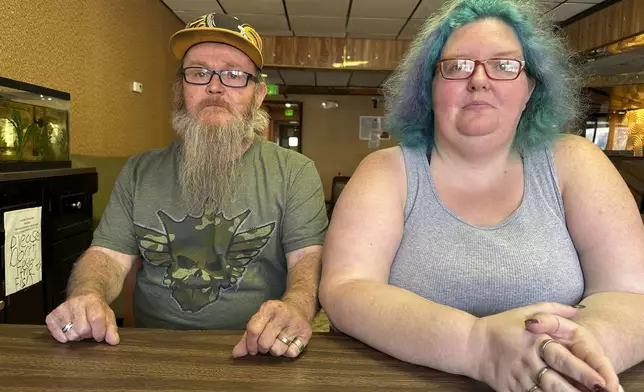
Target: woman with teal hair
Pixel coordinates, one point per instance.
(490, 244)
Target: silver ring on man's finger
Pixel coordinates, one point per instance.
(68, 327)
(298, 343)
(542, 348)
(284, 340)
(534, 388)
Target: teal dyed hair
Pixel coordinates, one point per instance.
(555, 100)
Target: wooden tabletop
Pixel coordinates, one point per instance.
(160, 360)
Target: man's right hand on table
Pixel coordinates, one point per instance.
(81, 317)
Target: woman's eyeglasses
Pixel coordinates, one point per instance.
(495, 69)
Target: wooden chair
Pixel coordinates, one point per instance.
(337, 186)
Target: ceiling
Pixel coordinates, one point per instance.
(374, 19)
(627, 61)
(319, 78)
(620, 58)
(622, 63)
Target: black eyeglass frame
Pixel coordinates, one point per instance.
(212, 73)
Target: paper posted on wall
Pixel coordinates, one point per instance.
(368, 126)
(22, 249)
(374, 141)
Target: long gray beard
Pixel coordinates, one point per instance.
(211, 156)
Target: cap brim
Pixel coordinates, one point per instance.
(184, 39)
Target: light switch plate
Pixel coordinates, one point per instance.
(137, 87)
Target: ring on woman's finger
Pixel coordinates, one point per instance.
(284, 340)
(534, 388)
(542, 348)
(540, 374)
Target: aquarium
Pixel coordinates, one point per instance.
(34, 127)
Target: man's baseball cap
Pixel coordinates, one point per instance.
(220, 28)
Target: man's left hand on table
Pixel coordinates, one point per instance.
(279, 328)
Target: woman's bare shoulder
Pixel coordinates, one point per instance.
(380, 178)
(387, 161)
(574, 155)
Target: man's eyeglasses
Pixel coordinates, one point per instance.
(229, 78)
(495, 69)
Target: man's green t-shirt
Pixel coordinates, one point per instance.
(214, 270)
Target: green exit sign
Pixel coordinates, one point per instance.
(272, 89)
(289, 112)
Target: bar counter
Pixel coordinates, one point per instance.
(162, 360)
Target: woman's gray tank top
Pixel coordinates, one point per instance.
(527, 258)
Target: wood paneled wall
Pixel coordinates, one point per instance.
(621, 20)
(333, 53)
(626, 128)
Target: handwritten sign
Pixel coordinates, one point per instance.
(22, 249)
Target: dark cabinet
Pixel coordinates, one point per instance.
(66, 227)
(63, 254)
(25, 306)
(71, 205)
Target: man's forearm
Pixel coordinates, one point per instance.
(617, 321)
(96, 273)
(302, 285)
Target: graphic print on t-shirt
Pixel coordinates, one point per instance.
(203, 254)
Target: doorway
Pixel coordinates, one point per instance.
(285, 127)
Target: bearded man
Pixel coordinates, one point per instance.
(227, 227)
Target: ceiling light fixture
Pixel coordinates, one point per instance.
(345, 64)
(330, 104)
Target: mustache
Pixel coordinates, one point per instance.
(214, 102)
